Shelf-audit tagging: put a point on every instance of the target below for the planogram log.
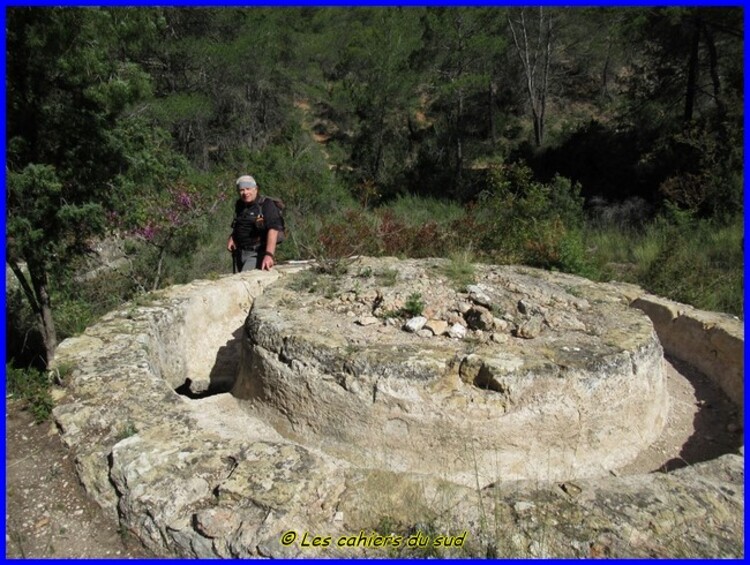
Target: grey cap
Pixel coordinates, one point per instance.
(246, 181)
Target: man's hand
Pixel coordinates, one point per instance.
(231, 247)
(268, 259)
(267, 263)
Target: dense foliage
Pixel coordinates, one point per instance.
(601, 141)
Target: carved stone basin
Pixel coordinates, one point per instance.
(343, 425)
(544, 384)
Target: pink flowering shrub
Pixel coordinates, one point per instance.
(165, 222)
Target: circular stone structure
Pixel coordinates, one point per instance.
(546, 377)
(189, 470)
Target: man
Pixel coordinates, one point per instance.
(255, 228)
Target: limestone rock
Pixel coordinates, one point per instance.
(478, 295)
(530, 328)
(455, 318)
(524, 307)
(298, 359)
(334, 427)
(367, 320)
(499, 337)
(479, 318)
(500, 325)
(712, 342)
(415, 324)
(437, 327)
(457, 331)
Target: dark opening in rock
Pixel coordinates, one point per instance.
(193, 392)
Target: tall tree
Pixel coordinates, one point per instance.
(689, 66)
(533, 37)
(686, 90)
(225, 78)
(69, 78)
(378, 78)
(466, 49)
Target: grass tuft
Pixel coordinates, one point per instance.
(32, 386)
(460, 268)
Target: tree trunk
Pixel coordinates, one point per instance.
(692, 75)
(460, 102)
(538, 125)
(37, 294)
(159, 265)
(532, 57)
(714, 66)
(491, 114)
(545, 75)
(380, 146)
(605, 69)
(459, 136)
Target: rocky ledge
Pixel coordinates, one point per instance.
(195, 471)
(519, 376)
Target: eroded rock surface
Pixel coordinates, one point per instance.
(199, 476)
(710, 341)
(546, 384)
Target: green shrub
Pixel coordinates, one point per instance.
(414, 305)
(521, 220)
(572, 257)
(399, 238)
(77, 303)
(698, 262)
(32, 386)
(352, 232)
(128, 430)
(72, 316)
(416, 210)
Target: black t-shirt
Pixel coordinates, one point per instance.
(253, 220)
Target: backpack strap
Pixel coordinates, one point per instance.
(260, 201)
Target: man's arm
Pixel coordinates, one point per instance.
(231, 245)
(269, 260)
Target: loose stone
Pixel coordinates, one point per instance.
(367, 321)
(415, 324)
(457, 331)
(437, 327)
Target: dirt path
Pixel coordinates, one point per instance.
(48, 513)
(702, 424)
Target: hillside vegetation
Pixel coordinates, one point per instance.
(605, 142)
